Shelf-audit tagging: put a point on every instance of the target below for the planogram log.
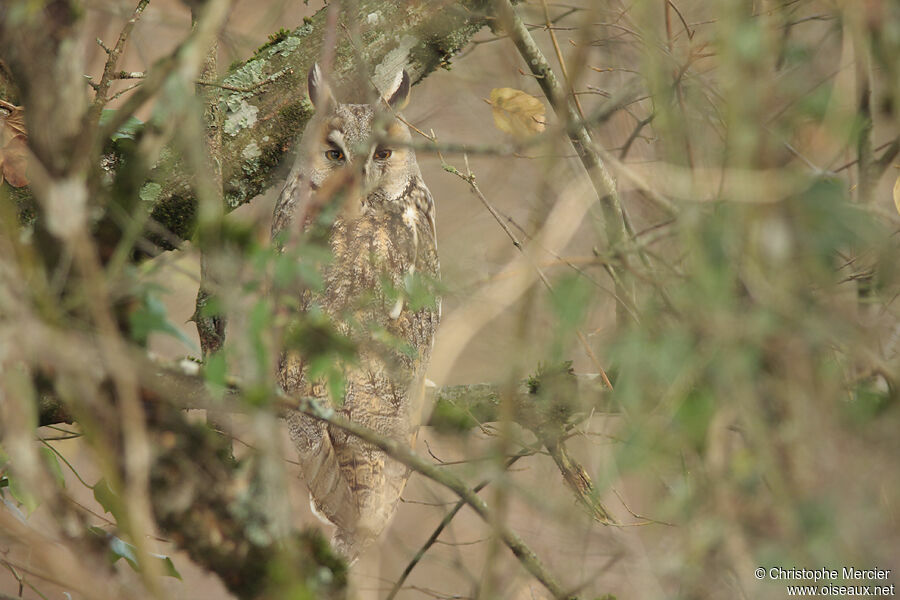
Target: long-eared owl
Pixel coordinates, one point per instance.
(355, 163)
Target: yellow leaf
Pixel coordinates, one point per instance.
(897, 193)
(516, 112)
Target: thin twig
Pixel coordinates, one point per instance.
(559, 57)
(601, 178)
(186, 57)
(643, 520)
(432, 539)
(112, 60)
(67, 463)
(404, 455)
(469, 178)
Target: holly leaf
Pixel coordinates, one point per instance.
(517, 113)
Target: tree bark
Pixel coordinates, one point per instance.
(265, 102)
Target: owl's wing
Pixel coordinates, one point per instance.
(330, 495)
(425, 205)
(375, 482)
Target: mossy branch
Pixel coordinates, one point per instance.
(538, 408)
(265, 102)
(264, 98)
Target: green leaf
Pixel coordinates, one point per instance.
(168, 566)
(128, 129)
(327, 368)
(119, 548)
(150, 193)
(694, 415)
(571, 299)
(382, 335)
(23, 496)
(216, 370)
(53, 464)
(151, 317)
(106, 497)
(421, 291)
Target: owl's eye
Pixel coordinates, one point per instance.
(335, 155)
(382, 154)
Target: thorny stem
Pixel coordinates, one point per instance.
(573, 473)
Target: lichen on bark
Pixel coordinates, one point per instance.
(265, 102)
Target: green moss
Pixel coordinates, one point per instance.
(25, 204)
(450, 418)
(283, 54)
(179, 215)
(235, 65)
(274, 39)
(465, 408)
(546, 374)
(296, 113)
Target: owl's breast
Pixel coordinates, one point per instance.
(380, 283)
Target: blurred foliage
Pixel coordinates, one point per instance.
(755, 372)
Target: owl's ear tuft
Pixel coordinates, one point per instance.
(319, 91)
(397, 96)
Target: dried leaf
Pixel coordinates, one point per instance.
(13, 162)
(897, 194)
(516, 112)
(13, 145)
(15, 119)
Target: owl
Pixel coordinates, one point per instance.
(356, 172)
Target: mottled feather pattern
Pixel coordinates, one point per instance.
(384, 233)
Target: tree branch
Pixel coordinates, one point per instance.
(265, 97)
(401, 453)
(206, 503)
(601, 178)
(538, 407)
(443, 525)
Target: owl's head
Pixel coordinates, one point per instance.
(365, 142)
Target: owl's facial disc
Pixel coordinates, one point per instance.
(367, 146)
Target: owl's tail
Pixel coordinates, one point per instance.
(330, 496)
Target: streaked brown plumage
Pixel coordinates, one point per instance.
(383, 234)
